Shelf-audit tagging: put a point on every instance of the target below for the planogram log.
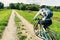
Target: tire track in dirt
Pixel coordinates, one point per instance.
(10, 32)
(28, 26)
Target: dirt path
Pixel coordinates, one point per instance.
(28, 26)
(10, 33)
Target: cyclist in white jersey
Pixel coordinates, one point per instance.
(46, 17)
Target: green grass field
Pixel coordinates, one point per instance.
(56, 19)
(4, 17)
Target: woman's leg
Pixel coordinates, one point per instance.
(39, 26)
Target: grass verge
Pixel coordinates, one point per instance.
(4, 17)
(20, 28)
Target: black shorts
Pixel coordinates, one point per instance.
(46, 23)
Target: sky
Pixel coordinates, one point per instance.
(40, 2)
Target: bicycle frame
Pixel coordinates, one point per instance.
(42, 33)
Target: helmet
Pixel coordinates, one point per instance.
(43, 6)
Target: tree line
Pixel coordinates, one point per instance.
(33, 7)
(54, 8)
(22, 6)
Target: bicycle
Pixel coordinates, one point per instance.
(44, 34)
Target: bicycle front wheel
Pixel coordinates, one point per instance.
(46, 36)
(52, 35)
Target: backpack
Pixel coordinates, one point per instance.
(50, 13)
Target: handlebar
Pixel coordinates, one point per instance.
(37, 19)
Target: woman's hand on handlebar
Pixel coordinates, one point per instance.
(36, 19)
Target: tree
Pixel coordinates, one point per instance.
(1, 5)
(22, 6)
(17, 6)
(34, 7)
(12, 6)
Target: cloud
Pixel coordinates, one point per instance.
(7, 2)
(48, 2)
(40, 2)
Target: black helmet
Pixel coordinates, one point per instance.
(43, 6)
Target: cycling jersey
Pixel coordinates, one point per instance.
(45, 12)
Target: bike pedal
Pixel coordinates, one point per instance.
(41, 37)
